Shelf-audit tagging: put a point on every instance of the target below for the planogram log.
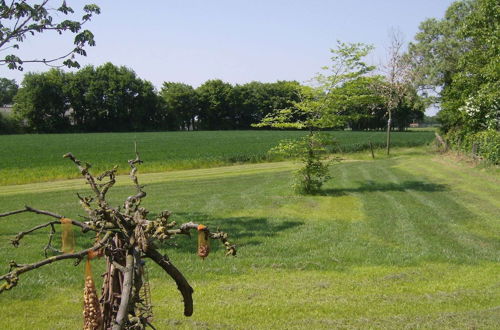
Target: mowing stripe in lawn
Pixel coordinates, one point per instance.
(391, 243)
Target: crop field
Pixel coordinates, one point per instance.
(37, 158)
(409, 241)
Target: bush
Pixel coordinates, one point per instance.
(9, 125)
(488, 143)
(312, 150)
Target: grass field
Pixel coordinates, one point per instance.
(409, 241)
(37, 158)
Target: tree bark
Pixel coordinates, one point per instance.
(389, 122)
(128, 279)
(182, 284)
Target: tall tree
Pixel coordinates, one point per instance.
(360, 105)
(181, 102)
(252, 101)
(216, 111)
(458, 57)
(111, 98)
(398, 77)
(41, 102)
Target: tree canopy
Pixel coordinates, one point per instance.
(458, 56)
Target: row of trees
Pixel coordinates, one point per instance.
(112, 98)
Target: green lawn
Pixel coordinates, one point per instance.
(37, 158)
(406, 241)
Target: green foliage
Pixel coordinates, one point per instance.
(8, 124)
(255, 100)
(181, 102)
(41, 102)
(458, 55)
(215, 101)
(8, 89)
(316, 109)
(105, 98)
(487, 142)
(312, 150)
(360, 105)
(111, 98)
(21, 20)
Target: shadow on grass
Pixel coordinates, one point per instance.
(373, 186)
(242, 231)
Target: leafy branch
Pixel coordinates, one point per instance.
(20, 20)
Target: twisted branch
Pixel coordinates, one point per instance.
(133, 201)
(182, 284)
(84, 170)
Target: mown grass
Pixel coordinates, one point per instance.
(407, 241)
(37, 158)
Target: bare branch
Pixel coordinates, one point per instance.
(185, 229)
(133, 201)
(19, 236)
(12, 277)
(27, 208)
(84, 170)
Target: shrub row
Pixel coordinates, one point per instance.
(487, 144)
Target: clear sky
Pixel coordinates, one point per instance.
(237, 41)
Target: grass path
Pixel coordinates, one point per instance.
(147, 178)
(401, 242)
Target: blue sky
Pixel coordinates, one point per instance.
(237, 41)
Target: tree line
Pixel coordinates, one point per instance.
(111, 98)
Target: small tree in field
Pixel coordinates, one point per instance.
(396, 86)
(315, 111)
(125, 237)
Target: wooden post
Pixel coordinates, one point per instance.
(474, 150)
(371, 149)
(441, 141)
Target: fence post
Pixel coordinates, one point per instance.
(441, 141)
(474, 149)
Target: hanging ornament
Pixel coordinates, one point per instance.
(203, 242)
(67, 236)
(92, 316)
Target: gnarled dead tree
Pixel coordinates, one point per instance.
(125, 237)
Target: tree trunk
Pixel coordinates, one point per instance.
(128, 280)
(389, 122)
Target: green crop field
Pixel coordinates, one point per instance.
(409, 241)
(37, 158)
